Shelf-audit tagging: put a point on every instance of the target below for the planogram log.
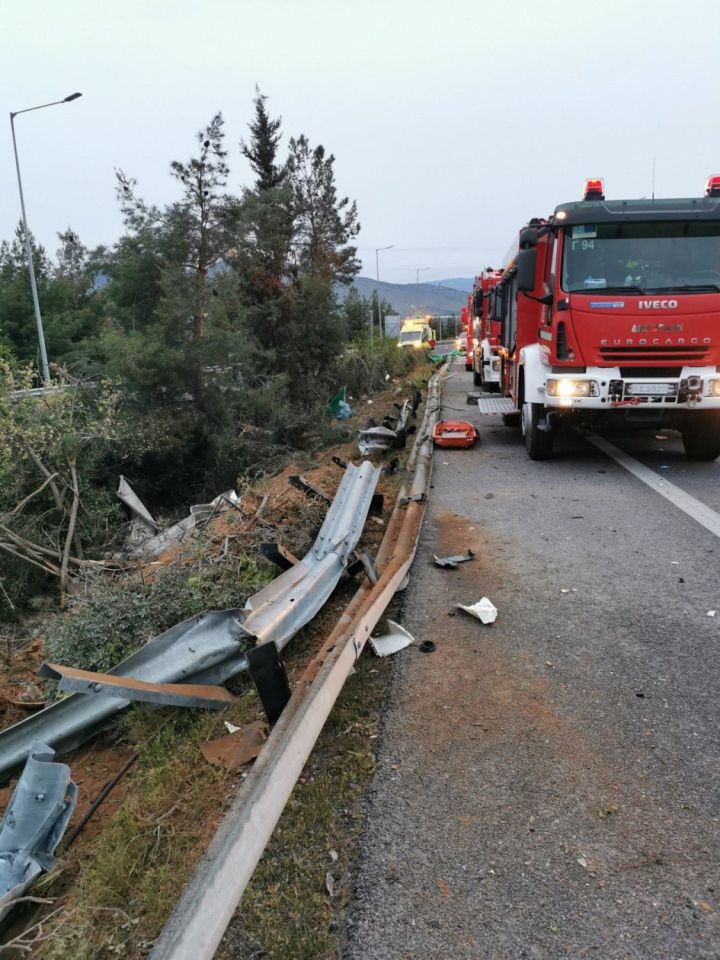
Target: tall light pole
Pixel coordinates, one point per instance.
(377, 275)
(28, 246)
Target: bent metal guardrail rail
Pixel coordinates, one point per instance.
(207, 904)
(210, 647)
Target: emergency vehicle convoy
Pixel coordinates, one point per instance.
(485, 357)
(611, 309)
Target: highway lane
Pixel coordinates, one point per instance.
(548, 786)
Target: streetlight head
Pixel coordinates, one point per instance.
(73, 96)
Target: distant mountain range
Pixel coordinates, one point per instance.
(411, 298)
(455, 283)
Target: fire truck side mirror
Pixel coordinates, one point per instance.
(528, 238)
(527, 261)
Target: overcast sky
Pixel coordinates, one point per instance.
(452, 121)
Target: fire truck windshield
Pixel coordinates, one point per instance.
(646, 257)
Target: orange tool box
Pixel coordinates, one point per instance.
(454, 433)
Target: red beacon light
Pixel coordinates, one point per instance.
(712, 187)
(594, 190)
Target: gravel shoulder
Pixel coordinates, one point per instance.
(548, 786)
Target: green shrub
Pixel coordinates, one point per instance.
(118, 616)
(364, 370)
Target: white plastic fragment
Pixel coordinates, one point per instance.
(397, 639)
(485, 610)
(711, 613)
(231, 728)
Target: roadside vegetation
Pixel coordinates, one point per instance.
(199, 352)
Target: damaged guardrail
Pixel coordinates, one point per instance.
(211, 647)
(34, 822)
(200, 918)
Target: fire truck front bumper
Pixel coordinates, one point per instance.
(603, 388)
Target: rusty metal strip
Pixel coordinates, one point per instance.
(203, 696)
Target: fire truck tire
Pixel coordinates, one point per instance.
(468, 366)
(538, 438)
(701, 435)
(477, 378)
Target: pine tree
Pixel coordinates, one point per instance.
(262, 149)
(324, 224)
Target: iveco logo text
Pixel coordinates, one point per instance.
(657, 304)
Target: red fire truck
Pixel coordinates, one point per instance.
(466, 321)
(486, 362)
(611, 309)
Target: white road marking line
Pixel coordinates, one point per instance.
(699, 512)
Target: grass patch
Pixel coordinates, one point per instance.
(132, 874)
(287, 912)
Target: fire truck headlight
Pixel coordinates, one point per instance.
(715, 388)
(571, 388)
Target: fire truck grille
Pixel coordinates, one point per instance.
(625, 355)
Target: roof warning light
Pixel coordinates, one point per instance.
(594, 190)
(712, 187)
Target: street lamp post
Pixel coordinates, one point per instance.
(372, 318)
(28, 246)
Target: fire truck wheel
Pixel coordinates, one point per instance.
(701, 435)
(477, 378)
(538, 436)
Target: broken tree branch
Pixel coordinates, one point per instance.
(70, 532)
(54, 489)
(23, 503)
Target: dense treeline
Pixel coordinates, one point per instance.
(205, 343)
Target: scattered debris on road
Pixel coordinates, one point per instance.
(396, 639)
(427, 646)
(34, 822)
(451, 563)
(484, 610)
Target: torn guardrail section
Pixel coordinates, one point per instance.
(210, 648)
(206, 648)
(151, 541)
(279, 610)
(34, 822)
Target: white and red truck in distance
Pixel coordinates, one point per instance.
(610, 309)
(486, 362)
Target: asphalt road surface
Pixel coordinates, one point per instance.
(547, 786)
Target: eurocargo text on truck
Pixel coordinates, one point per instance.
(611, 309)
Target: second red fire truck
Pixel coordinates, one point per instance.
(610, 309)
(483, 307)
